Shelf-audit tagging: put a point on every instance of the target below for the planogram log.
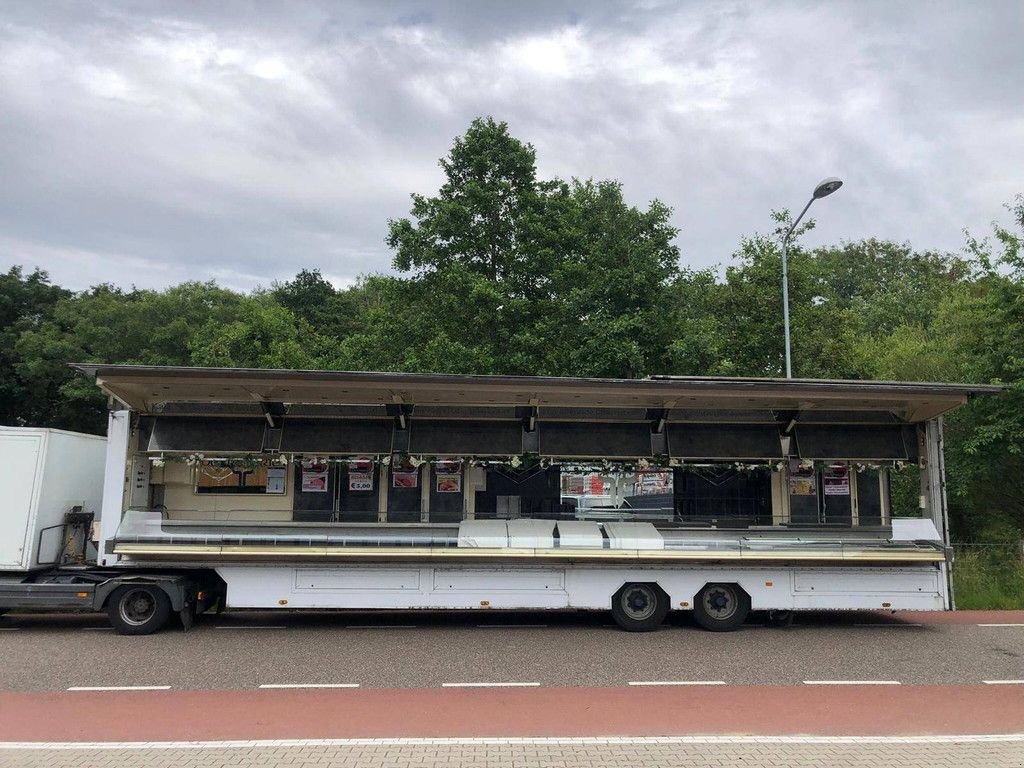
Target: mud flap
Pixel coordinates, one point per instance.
(187, 614)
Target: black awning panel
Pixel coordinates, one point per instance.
(874, 443)
(206, 435)
(724, 441)
(346, 436)
(456, 437)
(595, 440)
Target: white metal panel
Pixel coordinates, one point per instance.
(21, 453)
(531, 534)
(358, 578)
(835, 581)
(114, 480)
(72, 476)
(914, 529)
(474, 579)
(483, 533)
(579, 533)
(633, 536)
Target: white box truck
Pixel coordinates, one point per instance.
(46, 474)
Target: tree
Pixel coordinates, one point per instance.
(332, 313)
(108, 325)
(261, 334)
(25, 303)
(511, 274)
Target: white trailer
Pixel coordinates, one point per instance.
(337, 490)
(46, 474)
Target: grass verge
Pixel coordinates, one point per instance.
(988, 579)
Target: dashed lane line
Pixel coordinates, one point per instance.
(251, 626)
(120, 688)
(676, 682)
(490, 685)
(1003, 682)
(1001, 625)
(851, 682)
(310, 685)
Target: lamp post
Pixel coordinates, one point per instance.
(824, 188)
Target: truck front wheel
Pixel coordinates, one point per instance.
(138, 609)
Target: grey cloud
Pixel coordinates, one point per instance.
(150, 143)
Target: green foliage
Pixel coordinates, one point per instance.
(989, 578)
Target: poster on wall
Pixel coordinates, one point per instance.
(314, 479)
(405, 478)
(835, 481)
(449, 482)
(276, 479)
(360, 481)
(802, 480)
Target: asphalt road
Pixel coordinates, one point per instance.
(433, 650)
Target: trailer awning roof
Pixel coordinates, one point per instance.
(147, 388)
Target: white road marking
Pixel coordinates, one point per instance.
(1001, 625)
(251, 626)
(889, 626)
(490, 685)
(310, 685)
(381, 626)
(120, 688)
(851, 682)
(9, 629)
(1000, 738)
(678, 682)
(1003, 682)
(510, 626)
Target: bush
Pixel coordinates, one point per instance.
(988, 577)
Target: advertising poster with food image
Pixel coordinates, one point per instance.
(314, 479)
(449, 482)
(405, 478)
(803, 481)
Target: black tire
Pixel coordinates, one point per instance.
(721, 607)
(138, 609)
(639, 607)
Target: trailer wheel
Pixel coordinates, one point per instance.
(639, 607)
(138, 609)
(721, 607)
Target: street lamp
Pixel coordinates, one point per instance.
(824, 188)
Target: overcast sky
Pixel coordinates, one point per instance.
(147, 143)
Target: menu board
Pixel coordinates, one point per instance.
(360, 481)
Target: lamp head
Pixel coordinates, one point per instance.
(826, 187)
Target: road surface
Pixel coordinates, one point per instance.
(567, 689)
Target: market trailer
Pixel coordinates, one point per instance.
(321, 489)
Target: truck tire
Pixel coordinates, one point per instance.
(138, 609)
(639, 607)
(721, 607)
